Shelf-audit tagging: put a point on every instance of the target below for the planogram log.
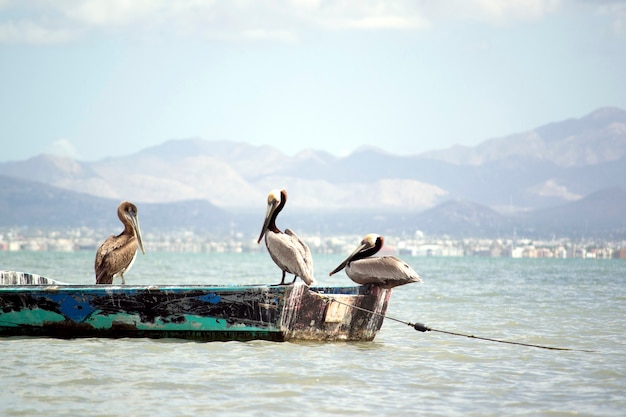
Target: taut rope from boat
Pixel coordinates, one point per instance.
(423, 328)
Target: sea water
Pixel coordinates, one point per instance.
(571, 303)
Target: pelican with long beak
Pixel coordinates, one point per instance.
(287, 250)
(117, 254)
(383, 271)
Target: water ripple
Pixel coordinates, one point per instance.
(569, 303)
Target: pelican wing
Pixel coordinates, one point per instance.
(385, 271)
(289, 255)
(305, 252)
(114, 256)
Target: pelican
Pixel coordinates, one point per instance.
(117, 254)
(383, 271)
(287, 250)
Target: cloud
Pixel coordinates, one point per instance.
(617, 11)
(33, 33)
(499, 12)
(551, 188)
(112, 13)
(56, 21)
(62, 147)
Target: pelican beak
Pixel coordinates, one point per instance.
(135, 221)
(268, 215)
(348, 259)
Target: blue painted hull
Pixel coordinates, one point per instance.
(32, 307)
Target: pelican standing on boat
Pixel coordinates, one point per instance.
(383, 271)
(117, 254)
(287, 250)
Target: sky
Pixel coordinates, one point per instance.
(94, 79)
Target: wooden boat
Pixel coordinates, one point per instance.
(32, 305)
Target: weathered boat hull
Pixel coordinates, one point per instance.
(36, 307)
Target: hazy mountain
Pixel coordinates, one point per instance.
(594, 139)
(33, 204)
(602, 213)
(462, 218)
(161, 175)
(544, 168)
(552, 164)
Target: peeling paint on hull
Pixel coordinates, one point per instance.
(194, 312)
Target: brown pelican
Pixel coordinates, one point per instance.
(383, 271)
(117, 254)
(287, 250)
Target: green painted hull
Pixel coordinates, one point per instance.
(34, 306)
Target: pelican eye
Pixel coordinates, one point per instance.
(273, 198)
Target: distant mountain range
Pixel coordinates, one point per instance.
(33, 204)
(564, 178)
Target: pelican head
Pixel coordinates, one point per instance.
(370, 244)
(127, 212)
(276, 200)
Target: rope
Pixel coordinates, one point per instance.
(423, 328)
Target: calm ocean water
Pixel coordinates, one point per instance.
(573, 303)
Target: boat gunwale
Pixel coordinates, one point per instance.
(355, 290)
